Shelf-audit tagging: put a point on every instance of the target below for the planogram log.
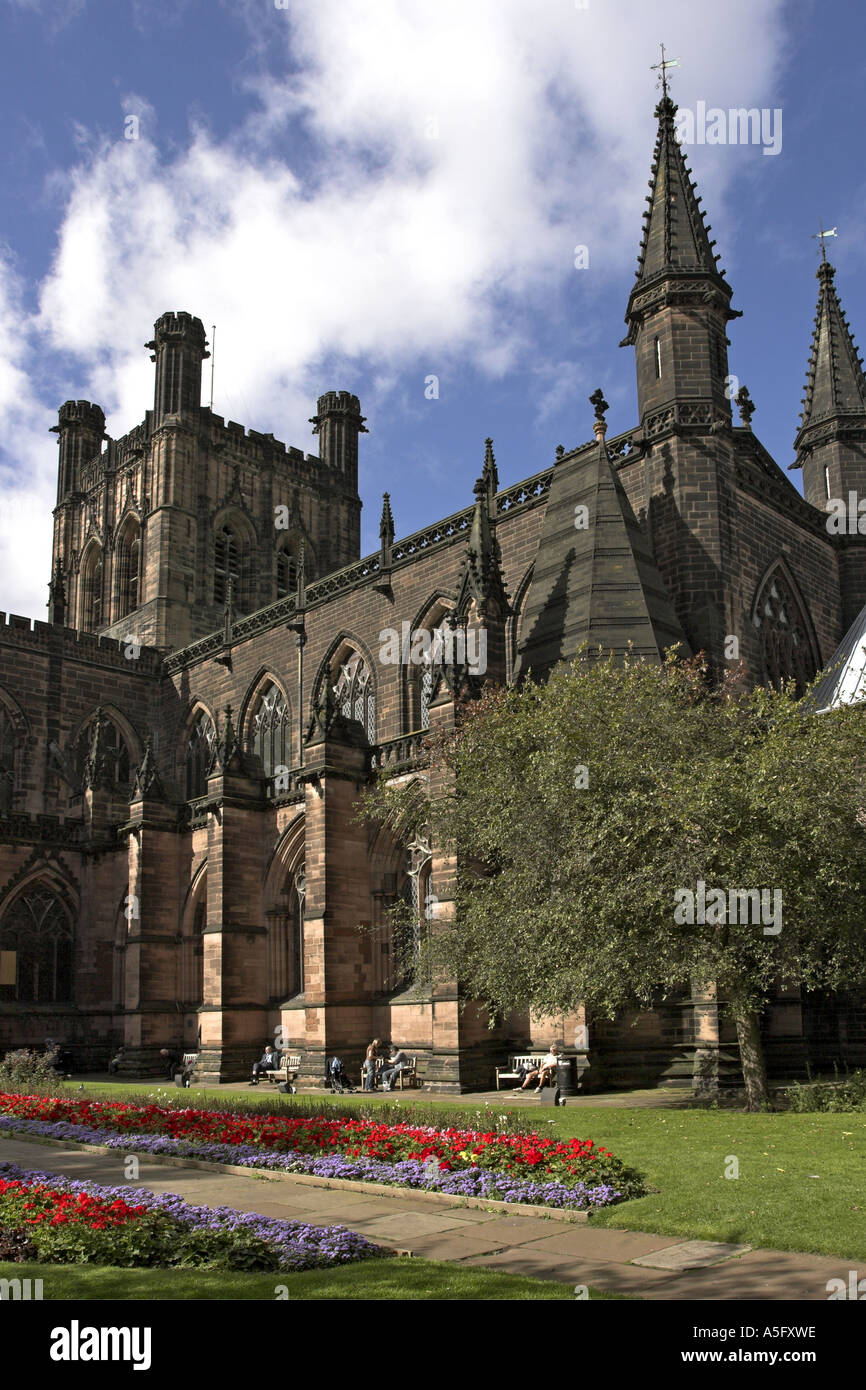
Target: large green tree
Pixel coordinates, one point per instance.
(585, 815)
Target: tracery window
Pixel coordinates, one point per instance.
(355, 694)
(227, 563)
(199, 751)
(270, 730)
(128, 559)
(411, 924)
(37, 933)
(425, 692)
(287, 574)
(92, 581)
(787, 646)
(111, 751)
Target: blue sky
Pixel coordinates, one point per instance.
(364, 193)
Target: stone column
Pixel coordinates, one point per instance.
(235, 1011)
(151, 958)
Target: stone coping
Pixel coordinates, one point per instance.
(377, 1189)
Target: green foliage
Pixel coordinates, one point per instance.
(28, 1072)
(566, 892)
(829, 1097)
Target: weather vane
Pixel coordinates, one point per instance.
(662, 69)
(819, 236)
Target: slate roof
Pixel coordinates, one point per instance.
(597, 584)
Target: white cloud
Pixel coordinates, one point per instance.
(398, 247)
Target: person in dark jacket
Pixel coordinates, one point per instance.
(269, 1061)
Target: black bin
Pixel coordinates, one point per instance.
(566, 1076)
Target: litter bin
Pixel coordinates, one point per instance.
(566, 1076)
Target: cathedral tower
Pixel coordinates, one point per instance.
(679, 306)
(831, 440)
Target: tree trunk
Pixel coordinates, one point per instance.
(751, 1055)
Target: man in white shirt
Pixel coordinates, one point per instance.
(542, 1072)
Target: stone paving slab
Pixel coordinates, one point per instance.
(762, 1275)
(600, 1242)
(403, 1226)
(616, 1278)
(458, 1246)
(691, 1254)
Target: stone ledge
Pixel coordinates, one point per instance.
(378, 1189)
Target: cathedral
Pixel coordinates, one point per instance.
(183, 743)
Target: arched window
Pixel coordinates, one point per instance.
(227, 564)
(7, 761)
(270, 730)
(195, 966)
(411, 921)
(37, 933)
(356, 695)
(128, 562)
(91, 611)
(419, 671)
(783, 627)
(287, 574)
(286, 940)
(296, 934)
(199, 751)
(425, 692)
(104, 748)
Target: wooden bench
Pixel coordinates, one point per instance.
(409, 1073)
(290, 1065)
(531, 1060)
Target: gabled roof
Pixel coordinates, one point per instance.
(597, 584)
(835, 384)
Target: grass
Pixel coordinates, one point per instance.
(800, 1183)
(775, 1202)
(395, 1279)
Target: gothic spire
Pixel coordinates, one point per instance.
(675, 241)
(481, 571)
(386, 525)
(147, 782)
(835, 384)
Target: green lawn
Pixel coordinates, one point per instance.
(373, 1279)
(775, 1202)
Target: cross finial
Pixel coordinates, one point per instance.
(662, 69)
(819, 236)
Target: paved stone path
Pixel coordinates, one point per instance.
(546, 1248)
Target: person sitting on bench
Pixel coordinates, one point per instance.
(542, 1072)
(170, 1060)
(397, 1063)
(269, 1062)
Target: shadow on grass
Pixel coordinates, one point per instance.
(388, 1280)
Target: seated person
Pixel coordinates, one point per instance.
(269, 1061)
(544, 1071)
(396, 1063)
(114, 1064)
(170, 1061)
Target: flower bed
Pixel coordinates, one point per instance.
(516, 1168)
(60, 1220)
